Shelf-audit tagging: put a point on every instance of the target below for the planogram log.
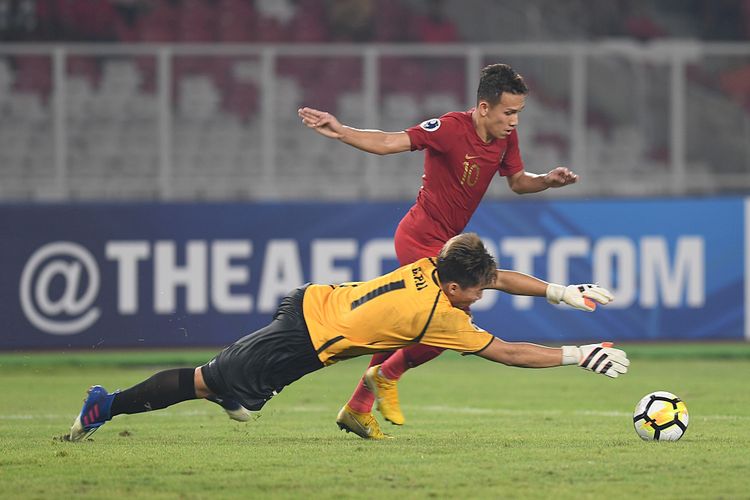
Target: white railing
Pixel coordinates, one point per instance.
(643, 91)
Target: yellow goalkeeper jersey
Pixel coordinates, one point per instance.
(392, 311)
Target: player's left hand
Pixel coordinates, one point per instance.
(322, 122)
(560, 176)
(598, 358)
(583, 297)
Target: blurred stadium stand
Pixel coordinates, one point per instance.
(197, 99)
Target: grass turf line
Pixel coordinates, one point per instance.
(195, 357)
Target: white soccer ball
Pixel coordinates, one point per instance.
(660, 416)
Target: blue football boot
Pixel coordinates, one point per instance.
(95, 411)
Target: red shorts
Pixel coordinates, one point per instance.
(412, 241)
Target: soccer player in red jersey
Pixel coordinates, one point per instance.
(463, 152)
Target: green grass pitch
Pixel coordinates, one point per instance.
(474, 430)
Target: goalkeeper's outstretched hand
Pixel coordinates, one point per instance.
(599, 358)
(583, 297)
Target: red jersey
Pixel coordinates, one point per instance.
(458, 169)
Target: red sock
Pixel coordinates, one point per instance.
(362, 399)
(408, 357)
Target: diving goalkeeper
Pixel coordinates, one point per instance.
(317, 325)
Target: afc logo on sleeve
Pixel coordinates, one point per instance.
(430, 125)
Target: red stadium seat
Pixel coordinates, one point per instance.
(271, 30)
(390, 21)
(84, 66)
(427, 29)
(198, 21)
(237, 21)
(736, 83)
(242, 99)
(34, 73)
(308, 24)
(160, 23)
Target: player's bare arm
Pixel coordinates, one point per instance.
(599, 358)
(371, 141)
(522, 354)
(583, 297)
(517, 283)
(525, 182)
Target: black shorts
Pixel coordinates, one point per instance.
(259, 365)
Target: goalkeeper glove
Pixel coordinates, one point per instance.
(599, 358)
(583, 297)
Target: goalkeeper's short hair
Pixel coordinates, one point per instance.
(465, 260)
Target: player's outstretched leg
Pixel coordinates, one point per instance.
(95, 411)
(383, 380)
(364, 425)
(233, 408)
(162, 389)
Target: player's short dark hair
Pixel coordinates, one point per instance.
(465, 260)
(499, 78)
